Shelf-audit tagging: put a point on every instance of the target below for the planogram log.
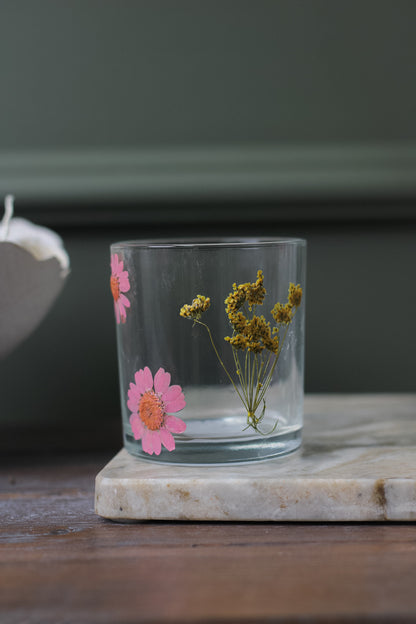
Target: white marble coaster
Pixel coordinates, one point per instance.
(357, 462)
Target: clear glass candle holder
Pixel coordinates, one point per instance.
(210, 338)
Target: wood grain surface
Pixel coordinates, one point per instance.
(61, 563)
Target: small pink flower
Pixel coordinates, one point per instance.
(151, 402)
(119, 283)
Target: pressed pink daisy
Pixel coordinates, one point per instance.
(119, 283)
(151, 402)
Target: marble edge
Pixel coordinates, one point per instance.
(301, 499)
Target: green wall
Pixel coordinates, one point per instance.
(105, 73)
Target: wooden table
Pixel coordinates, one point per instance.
(61, 563)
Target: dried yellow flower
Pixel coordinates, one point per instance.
(238, 341)
(255, 346)
(238, 321)
(271, 344)
(257, 328)
(235, 299)
(282, 313)
(295, 295)
(199, 305)
(256, 291)
(252, 293)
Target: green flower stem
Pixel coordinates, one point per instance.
(270, 375)
(255, 380)
(240, 377)
(219, 359)
(260, 379)
(265, 381)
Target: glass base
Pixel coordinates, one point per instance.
(221, 441)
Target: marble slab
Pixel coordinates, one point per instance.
(357, 463)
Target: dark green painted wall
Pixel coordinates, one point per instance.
(100, 73)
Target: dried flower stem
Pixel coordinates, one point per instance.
(255, 381)
(253, 335)
(218, 356)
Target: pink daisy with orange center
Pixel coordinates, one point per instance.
(119, 283)
(152, 402)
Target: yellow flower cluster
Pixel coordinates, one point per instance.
(284, 313)
(253, 334)
(199, 305)
(295, 295)
(253, 293)
(238, 321)
(256, 291)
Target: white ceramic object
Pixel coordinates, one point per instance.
(33, 269)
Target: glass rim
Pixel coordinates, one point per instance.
(209, 243)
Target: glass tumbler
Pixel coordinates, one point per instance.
(210, 339)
